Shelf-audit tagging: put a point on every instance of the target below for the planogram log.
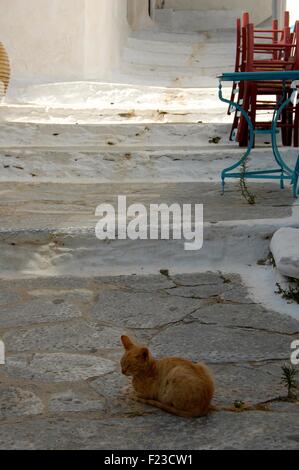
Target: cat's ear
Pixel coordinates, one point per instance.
(127, 343)
(144, 353)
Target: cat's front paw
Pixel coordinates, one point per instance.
(126, 390)
(140, 398)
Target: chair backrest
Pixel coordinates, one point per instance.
(245, 19)
(295, 47)
(238, 46)
(4, 70)
(275, 38)
(286, 19)
(249, 34)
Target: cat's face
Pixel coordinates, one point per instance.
(135, 358)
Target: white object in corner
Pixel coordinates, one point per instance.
(285, 250)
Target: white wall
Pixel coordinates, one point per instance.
(61, 40)
(293, 7)
(289, 5)
(138, 14)
(106, 31)
(43, 37)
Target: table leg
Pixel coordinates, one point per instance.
(243, 159)
(295, 180)
(285, 169)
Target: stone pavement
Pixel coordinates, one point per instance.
(61, 387)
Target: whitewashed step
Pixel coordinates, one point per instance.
(53, 231)
(196, 20)
(161, 113)
(110, 96)
(173, 72)
(98, 103)
(155, 45)
(218, 36)
(127, 166)
(199, 57)
(130, 76)
(107, 136)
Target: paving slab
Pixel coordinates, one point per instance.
(217, 344)
(62, 386)
(16, 402)
(70, 401)
(227, 292)
(9, 298)
(141, 309)
(211, 286)
(150, 283)
(251, 384)
(57, 367)
(252, 316)
(77, 336)
(247, 431)
(199, 279)
(37, 311)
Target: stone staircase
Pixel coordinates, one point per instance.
(63, 142)
(196, 20)
(67, 297)
(177, 60)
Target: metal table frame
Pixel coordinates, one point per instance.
(283, 172)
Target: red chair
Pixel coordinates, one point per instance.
(295, 53)
(281, 47)
(240, 54)
(270, 37)
(286, 51)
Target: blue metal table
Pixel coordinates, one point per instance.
(283, 171)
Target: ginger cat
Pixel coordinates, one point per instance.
(174, 385)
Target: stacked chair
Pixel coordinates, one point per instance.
(260, 50)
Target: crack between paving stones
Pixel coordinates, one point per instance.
(187, 319)
(240, 327)
(214, 297)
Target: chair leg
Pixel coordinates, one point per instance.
(242, 135)
(290, 125)
(253, 106)
(296, 127)
(287, 126)
(284, 128)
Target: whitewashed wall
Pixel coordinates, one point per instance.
(61, 40)
(106, 32)
(293, 7)
(138, 14)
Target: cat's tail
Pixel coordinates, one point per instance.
(171, 409)
(236, 409)
(193, 414)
